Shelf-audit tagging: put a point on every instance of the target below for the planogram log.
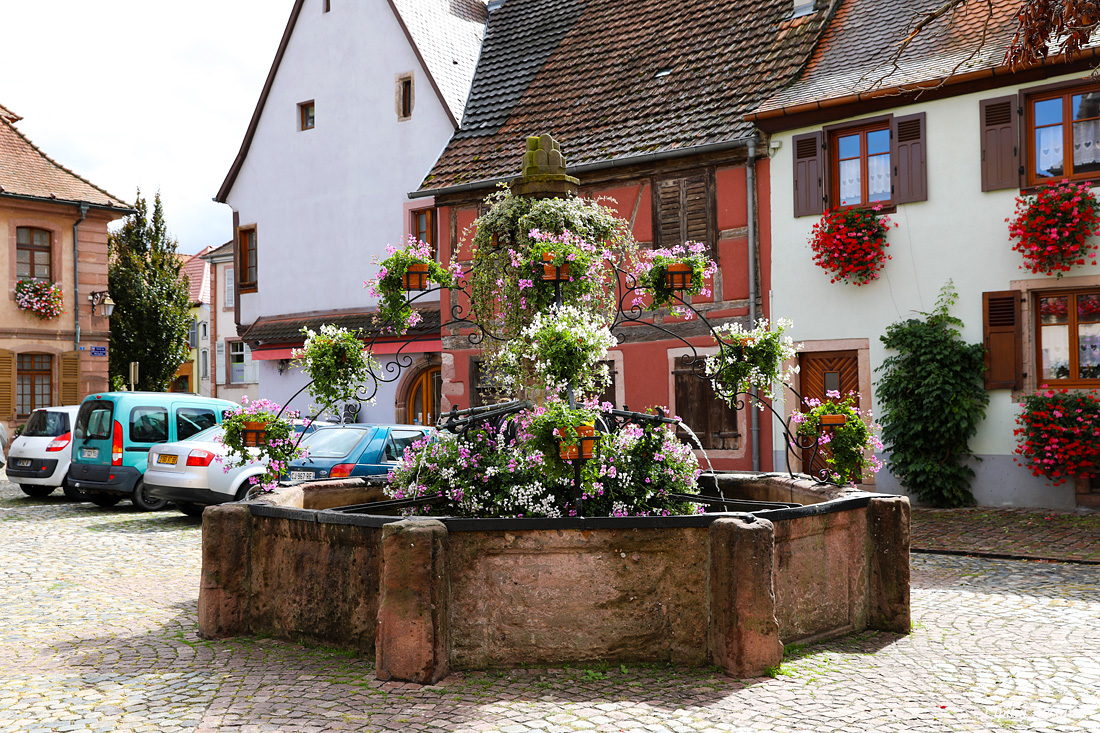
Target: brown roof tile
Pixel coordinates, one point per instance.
(856, 53)
(197, 272)
(27, 171)
(288, 329)
(611, 79)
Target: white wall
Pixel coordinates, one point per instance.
(958, 233)
(325, 200)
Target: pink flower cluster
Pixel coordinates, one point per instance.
(40, 297)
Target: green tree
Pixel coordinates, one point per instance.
(933, 397)
(152, 317)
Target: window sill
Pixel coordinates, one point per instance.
(1032, 188)
(241, 288)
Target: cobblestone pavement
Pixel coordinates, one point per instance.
(97, 632)
(1009, 532)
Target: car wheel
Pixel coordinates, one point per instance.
(103, 499)
(191, 510)
(73, 493)
(36, 490)
(141, 499)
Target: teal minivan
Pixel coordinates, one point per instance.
(115, 430)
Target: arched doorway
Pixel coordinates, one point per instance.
(424, 397)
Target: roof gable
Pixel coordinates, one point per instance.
(26, 171)
(197, 271)
(612, 80)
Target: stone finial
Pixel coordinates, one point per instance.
(542, 174)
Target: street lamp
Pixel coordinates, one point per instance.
(101, 297)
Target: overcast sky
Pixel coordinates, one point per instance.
(153, 94)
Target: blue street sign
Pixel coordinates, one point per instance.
(99, 351)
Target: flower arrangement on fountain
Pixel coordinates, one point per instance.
(1059, 434)
(260, 431)
(1052, 228)
(337, 364)
(761, 357)
(40, 297)
(845, 432)
(517, 470)
(395, 314)
(669, 274)
(850, 244)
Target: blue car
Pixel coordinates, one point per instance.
(343, 451)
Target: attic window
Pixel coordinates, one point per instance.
(803, 7)
(325, 7)
(662, 72)
(404, 96)
(305, 115)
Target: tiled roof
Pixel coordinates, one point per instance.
(855, 54)
(7, 114)
(288, 329)
(612, 79)
(27, 171)
(447, 34)
(197, 272)
(222, 251)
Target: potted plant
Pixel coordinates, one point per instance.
(678, 271)
(408, 268)
(850, 244)
(745, 359)
(840, 427)
(336, 363)
(1052, 228)
(554, 254)
(255, 432)
(41, 297)
(1059, 434)
(571, 429)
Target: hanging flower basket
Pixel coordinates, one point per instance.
(832, 420)
(586, 440)
(678, 276)
(1052, 228)
(40, 297)
(416, 277)
(850, 244)
(552, 273)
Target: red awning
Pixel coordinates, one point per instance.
(386, 347)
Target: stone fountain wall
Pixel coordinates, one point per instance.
(426, 596)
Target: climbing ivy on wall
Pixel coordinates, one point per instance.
(932, 394)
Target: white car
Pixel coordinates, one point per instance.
(189, 474)
(38, 460)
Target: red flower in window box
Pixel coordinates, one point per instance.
(1059, 434)
(851, 244)
(1053, 226)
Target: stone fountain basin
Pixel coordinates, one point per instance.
(428, 595)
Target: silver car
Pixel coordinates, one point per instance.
(38, 460)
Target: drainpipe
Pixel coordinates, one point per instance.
(76, 278)
(750, 192)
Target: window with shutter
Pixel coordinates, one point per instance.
(1003, 340)
(219, 361)
(1067, 347)
(1062, 134)
(230, 287)
(69, 369)
(908, 153)
(711, 419)
(683, 211)
(809, 196)
(1000, 143)
(7, 384)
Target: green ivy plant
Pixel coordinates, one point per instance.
(933, 399)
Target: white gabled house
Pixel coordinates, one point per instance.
(360, 99)
(961, 137)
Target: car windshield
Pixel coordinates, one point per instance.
(46, 424)
(332, 442)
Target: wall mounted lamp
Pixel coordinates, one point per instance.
(100, 297)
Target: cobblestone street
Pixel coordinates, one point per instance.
(99, 633)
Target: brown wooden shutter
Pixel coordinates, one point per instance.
(1000, 143)
(7, 384)
(1004, 358)
(682, 209)
(69, 371)
(809, 176)
(907, 140)
(710, 418)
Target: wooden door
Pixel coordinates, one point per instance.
(823, 372)
(422, 405)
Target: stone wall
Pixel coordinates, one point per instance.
(430, 595)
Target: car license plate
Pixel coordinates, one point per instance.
(89, 452)
(23, 462)
(167, 458)
(301, 475)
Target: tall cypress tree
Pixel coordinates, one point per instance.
(152, 316)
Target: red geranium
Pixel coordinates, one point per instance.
(1059, 434)
(1053, 227)
(851, 244)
